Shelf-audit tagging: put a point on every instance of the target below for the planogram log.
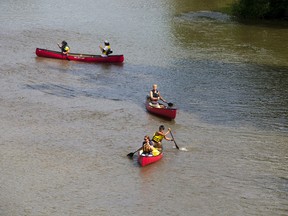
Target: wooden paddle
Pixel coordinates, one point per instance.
(132, 153)
(174, 140)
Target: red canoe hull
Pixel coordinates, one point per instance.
(146, 160)
(165, 112)
(79, 57)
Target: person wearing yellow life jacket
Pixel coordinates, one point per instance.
(106, 50)
(65, 49)
(159, 136)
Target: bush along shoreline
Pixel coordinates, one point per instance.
(260, 9)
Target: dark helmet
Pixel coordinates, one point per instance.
(161, 127)
(64, 43)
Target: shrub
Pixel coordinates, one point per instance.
(259, 9)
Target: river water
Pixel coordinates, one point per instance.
(66, 127)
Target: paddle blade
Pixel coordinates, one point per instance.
(170, 104)
(130, 154)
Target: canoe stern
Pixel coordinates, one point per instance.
(165, 112)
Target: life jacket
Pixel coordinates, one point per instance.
(146, 147)
(155, 93)
(107, 50)
(155, 152)
(157, 137)
(65, 48)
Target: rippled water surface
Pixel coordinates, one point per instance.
(66, 127)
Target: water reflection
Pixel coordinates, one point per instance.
(214, 36)
(198, 5)
(228, 72)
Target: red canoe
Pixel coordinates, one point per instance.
(164, 111)
(148, 159)
(79, 57)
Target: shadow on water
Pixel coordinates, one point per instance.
(264, 23)
(232, 94)
(235, 74)
(228, 94)
(206, 15)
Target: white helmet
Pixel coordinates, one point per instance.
(106, 42)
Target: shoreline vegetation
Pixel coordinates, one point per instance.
(259, 9)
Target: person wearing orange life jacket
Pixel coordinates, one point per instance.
(159, 136)
(106, 50)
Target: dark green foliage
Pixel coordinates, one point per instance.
(278, 9)
(259, 9)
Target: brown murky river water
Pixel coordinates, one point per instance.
(66, 127)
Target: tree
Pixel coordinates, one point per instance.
(259, 9)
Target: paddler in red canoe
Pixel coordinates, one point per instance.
(147, 147)
(65, 49)
(159, 136)
(106, 50)
(155, 97)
